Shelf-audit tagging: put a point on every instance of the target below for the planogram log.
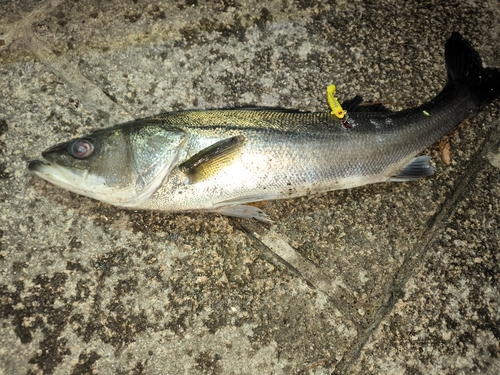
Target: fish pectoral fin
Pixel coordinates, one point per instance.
(243, 211)
(356, 104)
(419, 168)
(211, 160)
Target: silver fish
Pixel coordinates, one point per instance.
(219, 160)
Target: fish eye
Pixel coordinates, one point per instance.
(81, 149)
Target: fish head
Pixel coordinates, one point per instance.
(122, 165)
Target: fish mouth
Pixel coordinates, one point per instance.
(84, 182)
(72, 179)
(42, 168)
(81, 182)
(37, 165)
(53, 173)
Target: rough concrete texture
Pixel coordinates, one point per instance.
(390, 278)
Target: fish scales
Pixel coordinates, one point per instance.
(219, 160)
(304, 153)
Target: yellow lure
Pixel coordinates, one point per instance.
(337, 109)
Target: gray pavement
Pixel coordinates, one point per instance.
(390, 278)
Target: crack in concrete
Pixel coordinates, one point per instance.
(276, 250)
(93, 97)
(415, 259)
(275, 247)
(18, 30)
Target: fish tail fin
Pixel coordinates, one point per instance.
(465, 67)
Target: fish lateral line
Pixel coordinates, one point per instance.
(233, 157)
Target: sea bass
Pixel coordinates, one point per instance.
(220, 160)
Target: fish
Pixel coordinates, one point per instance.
(223, 160)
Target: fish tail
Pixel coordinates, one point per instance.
(465, 68)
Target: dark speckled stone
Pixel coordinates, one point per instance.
(393, 278)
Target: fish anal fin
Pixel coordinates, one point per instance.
(419, 168)
(211, 160)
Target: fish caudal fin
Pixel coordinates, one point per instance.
(465, 67)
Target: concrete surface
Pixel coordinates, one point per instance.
(390, 278)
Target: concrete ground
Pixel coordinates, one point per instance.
(390, 278)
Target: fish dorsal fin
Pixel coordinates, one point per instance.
(356, 104)
(266, 109)
(211, 160)
(245, 108)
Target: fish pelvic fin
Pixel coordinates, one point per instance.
(243, 211)
(419, 168)
(464, 67)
